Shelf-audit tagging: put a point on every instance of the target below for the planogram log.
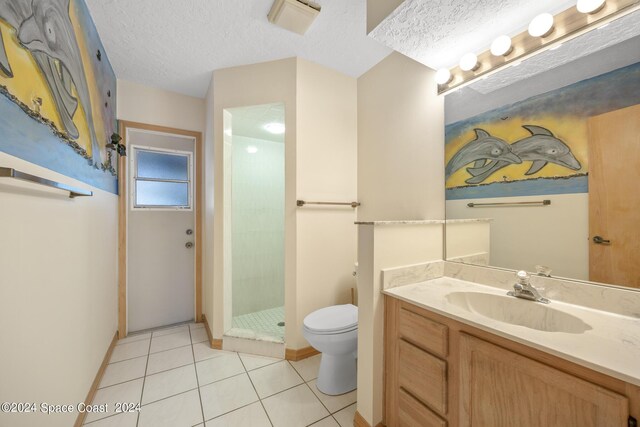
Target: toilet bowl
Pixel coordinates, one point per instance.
(333, 331)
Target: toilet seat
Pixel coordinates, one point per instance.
(336, 319)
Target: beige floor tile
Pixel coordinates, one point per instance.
(126, 392)
(169, 359)
(249, 416)
(218, 368)
(294, 408)
(308, 368)
(167, 342)
(227, 395)
(275, 378)
(345, 417)
(199, 335)
(129, 351)
(129, 419)
(134, 337)
(126, 370)
(334, 403)
(252, 361)
(169, 383)
(203, 350)
(326, 422)
(183, 410)
(171, 330)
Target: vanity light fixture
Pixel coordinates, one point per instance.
(469, 62)
(541, 25)
(501, 46)
(541, 35)
(590, 6)
(443, 76)
(274, 128)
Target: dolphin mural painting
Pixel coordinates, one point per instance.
(484, 147)
(541, 148)
(44, 28)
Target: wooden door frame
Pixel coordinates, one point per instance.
(122, 217)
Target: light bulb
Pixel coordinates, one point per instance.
(443, 76)
(501, 46)
(469, 62)
(252, 149)
(275, 128)
(541, 25)
(590, 6)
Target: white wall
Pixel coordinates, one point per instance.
(58, 306)
(400, 142)
(556, 236)
(150, 105)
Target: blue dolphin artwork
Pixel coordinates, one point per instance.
(74, 82)
(483, 147)
(541, 148)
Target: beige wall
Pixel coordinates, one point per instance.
(150, 105)
(522, 237)
(57, 292)
(467, 241)
(146, 104)
(400, 142)
(400, 177)
(326, 169)
(378, 10)
(381, 247)
(257, 84)
(320, 164)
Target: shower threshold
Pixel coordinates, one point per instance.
(264, 325)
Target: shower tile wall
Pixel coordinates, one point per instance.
(257, 225)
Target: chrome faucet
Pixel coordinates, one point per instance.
(524, 289)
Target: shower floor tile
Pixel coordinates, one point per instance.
(259, 325)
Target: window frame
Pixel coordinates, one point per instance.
(134, 179)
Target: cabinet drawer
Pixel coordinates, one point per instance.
(423, 375)
(412, 413)
(431, 336)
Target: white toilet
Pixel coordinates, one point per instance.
(333, 331)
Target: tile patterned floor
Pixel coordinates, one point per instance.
(180, 381)
(261, 322)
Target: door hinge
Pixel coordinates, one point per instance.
(632, 422)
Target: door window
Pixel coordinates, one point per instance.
(161, 179)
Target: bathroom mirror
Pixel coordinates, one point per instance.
(543, 161)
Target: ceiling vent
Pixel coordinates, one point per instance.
(294, 15)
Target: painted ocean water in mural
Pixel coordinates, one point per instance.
(58, 89)
(537, 146)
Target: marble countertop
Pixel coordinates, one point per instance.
(611, 346)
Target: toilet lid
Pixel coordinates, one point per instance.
(334, 318)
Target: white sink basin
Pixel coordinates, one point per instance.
(516, 311)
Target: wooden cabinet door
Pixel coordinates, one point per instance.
(499, 388)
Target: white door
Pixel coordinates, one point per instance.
(160, 230)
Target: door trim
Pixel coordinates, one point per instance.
(198, 199)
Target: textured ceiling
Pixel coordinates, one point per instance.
(596, 40)
(250, 121)
(176, 44)
(438, 32)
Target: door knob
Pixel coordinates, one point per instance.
(600, 241)
(188, 245)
